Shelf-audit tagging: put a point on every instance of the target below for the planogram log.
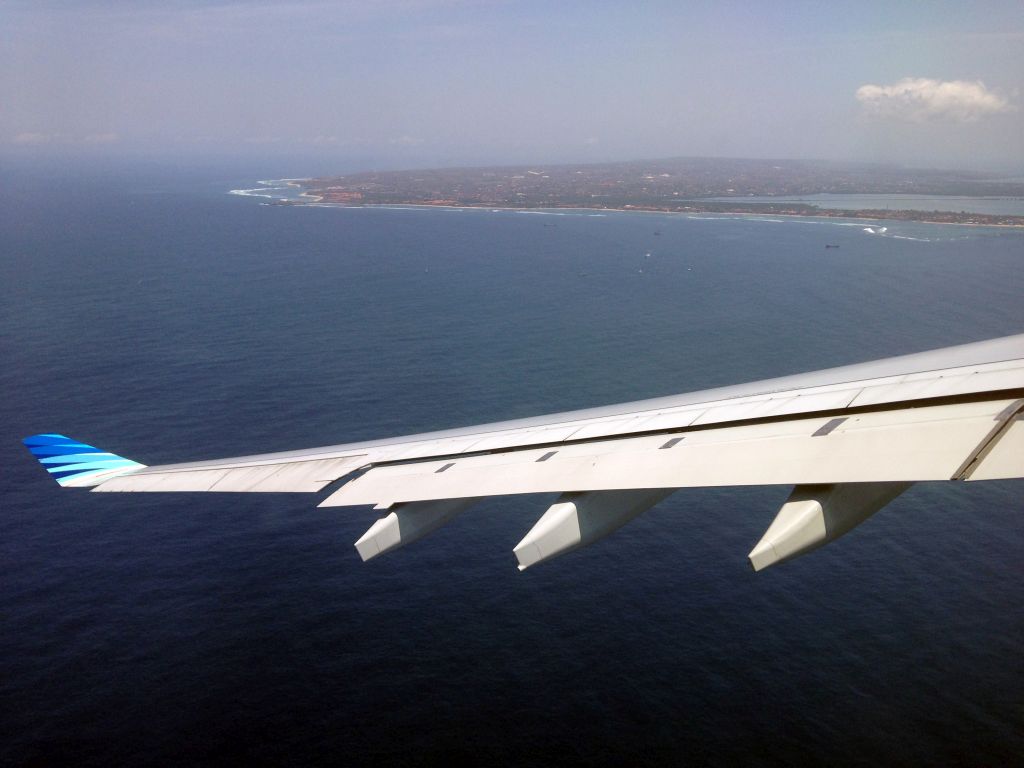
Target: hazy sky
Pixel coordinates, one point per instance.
(431, 82)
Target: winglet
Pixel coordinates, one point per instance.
(77, 465)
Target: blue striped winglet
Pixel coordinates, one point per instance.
(72, 463)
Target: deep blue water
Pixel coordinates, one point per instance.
(158, 317)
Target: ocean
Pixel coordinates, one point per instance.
(156, 315)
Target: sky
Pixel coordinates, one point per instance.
(412, 83)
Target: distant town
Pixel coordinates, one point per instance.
(682, 185)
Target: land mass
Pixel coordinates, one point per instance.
(683, 185)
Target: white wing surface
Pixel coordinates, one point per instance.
(849, 439)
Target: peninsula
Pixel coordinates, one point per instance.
(677, 185)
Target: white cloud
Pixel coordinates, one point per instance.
(31, 137)
(406, 141)
(919, 99)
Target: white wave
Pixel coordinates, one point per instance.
(260, 192)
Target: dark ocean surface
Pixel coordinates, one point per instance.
(154, 315)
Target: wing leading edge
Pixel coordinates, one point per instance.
(849, 439)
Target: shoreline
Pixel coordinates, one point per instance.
(852, 216)
(693, 186)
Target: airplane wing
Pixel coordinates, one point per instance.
(849, 439)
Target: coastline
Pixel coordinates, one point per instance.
(854, 216)
(692, 186)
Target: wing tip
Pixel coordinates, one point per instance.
(76, 464)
